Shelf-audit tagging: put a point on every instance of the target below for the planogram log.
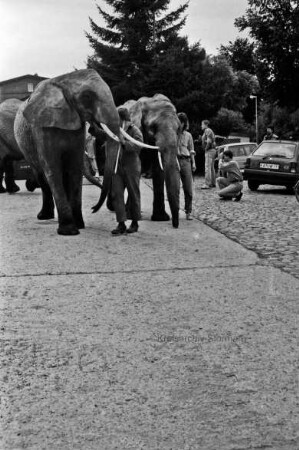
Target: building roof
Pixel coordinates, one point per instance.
(35, 76)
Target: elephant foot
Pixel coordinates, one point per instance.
(2, 190)
(80, 224)
(13, 189)
(31, 185)
(175, 223)
(68, 230)
(45, 215)
(162, 217)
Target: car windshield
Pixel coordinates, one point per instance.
(276, 149)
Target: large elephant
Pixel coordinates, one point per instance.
(50, 131)
(156, 117)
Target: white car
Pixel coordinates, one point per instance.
(241, 151)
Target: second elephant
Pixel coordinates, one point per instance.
(157, 118)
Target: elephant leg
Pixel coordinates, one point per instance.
(54, 164)
(9, 177)
(47, 211)
(31, 184)
(172, 180)
(72, 180)
(159, 213)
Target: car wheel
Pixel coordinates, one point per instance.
(253, 185)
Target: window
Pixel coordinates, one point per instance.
(30, 87)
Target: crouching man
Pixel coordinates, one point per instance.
(127, 177)
(231, 181)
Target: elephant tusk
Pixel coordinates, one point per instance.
(109, 132)
(140, 144)
(178, 164)
(117, 158)
(160, 160)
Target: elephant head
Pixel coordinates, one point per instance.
(156, 117)
(50, 129)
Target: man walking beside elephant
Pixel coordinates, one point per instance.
(127, 176)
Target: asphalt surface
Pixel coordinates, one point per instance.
(165, 339)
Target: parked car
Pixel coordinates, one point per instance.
(241, 151)
(273, 162)
(23, 171)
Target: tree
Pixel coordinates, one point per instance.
(240, 54)
(274, 26)
(124, 51)
(227, 121)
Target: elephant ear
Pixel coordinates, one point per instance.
(48, 106)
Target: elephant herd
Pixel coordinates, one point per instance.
(49, 128)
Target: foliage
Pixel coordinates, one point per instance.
(126, 48)
(227, 121)
(274, 26)
(140, 53)
(240, 54)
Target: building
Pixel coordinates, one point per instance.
(20, 87)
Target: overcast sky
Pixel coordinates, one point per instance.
(47, 36)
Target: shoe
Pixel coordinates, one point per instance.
(205, 187)
(121, 229)
(188, 216)
(133, 228)
(238, 197)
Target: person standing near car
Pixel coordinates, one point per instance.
(187, 164)
(231, 183)
(209, 147)
(270, 136)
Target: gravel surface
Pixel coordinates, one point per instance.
(265, 221)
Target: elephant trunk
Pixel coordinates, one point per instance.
(112, 148)
(172, 181)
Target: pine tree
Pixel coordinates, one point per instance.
(135, 32)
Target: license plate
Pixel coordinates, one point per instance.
(269, 166)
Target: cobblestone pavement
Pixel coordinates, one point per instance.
(265, 221)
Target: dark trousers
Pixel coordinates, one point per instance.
(129, 180)
(187, 182)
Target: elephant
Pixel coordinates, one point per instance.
(50, 131)
(10, 151)
(157, 118)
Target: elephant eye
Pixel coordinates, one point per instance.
(86, 98)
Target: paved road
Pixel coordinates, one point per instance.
(265, 221)
(163, 340)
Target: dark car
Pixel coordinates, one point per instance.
(273, 162)
(240, 150)
(23, 171)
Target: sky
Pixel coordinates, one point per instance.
(47, 37)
